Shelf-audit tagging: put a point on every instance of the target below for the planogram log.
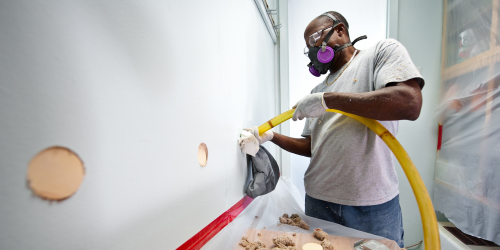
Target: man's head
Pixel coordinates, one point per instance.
(330, 31)
(322, 22)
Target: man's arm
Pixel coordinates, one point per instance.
(300, 146)
(397, 101)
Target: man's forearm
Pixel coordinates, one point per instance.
(300, 146)
(400, 102)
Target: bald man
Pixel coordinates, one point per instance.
(351, 179)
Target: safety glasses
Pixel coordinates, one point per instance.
(312, 39)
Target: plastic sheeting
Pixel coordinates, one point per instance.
(268, 209)
(467, 177)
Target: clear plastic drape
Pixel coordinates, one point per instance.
(264, 211)
(467, 177)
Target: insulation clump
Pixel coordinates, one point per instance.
(283, 243)
(294, 220)
(327, 245)
(285, 219)
(283, 247)
(323, 236)
(320, 234)
(252, 245)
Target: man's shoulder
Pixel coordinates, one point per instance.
(385, 43)
(380, 48)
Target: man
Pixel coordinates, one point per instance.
(351, 179)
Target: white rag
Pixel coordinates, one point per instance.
(248, 143)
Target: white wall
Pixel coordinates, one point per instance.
(132, 87)
(420, 31)
(369, 20)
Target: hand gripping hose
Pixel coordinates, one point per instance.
(427, 214)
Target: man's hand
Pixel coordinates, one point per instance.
(267, 136)
(250, 140)
(310, 106)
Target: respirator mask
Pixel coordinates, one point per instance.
(322, 57)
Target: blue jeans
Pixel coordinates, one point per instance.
(383, 220)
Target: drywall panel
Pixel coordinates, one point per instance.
(369, 20)
(132, 87)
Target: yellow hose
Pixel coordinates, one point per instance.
(427, 214)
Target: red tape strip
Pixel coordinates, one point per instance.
(440, 135)
(206, 234)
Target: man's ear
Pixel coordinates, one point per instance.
(341, 30)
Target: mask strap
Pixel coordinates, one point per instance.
(358, 39)
(337, 47)
(327, 37)
(335, 21)
(330, 16)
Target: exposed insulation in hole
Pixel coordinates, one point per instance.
(55, 173)
(293, 220)
(202, 154)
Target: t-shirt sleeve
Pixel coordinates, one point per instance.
(307, 128)
(393, 64)
(307, 131)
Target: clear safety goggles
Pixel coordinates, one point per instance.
(313, 39)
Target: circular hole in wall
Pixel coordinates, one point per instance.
(202, 154)
(55, 173)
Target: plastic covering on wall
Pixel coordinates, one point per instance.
(467, 177)
(264, 212)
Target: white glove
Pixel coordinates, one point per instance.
(267, 136)
(250, 140)
(310, 106)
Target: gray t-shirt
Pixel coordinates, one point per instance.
(350, 164)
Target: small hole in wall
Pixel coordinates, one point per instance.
(55, 173)
(202, 154)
